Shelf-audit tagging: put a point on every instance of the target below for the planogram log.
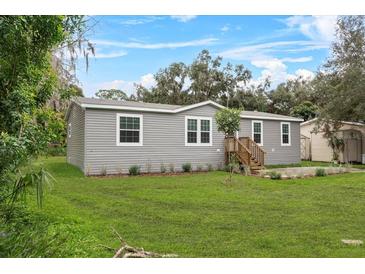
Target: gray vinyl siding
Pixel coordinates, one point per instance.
(275, 152)
(163, 142)
(75, 143)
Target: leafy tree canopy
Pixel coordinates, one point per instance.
(228, 120)
(341, 83)
(32, 70)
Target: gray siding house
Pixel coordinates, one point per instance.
(110, 136)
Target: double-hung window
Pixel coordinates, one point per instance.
(198, 131)
(257, 134)
(129, 129)
(285, 133)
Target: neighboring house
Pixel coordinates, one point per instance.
(316, 148)
(110, 136)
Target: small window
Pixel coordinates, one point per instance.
(205, 131)
(198, 131)
(192, 131)
(69, 129)
(285, 134)
(257, 132)
(129, 129)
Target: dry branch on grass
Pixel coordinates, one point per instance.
(126, 251)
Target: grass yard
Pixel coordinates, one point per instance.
(199, 216)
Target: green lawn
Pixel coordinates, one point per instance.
(199, 216)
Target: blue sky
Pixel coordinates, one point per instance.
(130, 49)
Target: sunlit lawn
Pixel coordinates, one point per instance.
(199, 216)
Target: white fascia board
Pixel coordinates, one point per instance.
(96, 106)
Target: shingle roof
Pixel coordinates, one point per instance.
(141, 106)
(265, 115)
(104, 102)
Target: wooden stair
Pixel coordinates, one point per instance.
(248, 152)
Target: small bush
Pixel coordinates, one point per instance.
(134, 170)
(199, 167)
(209, 167)
(186, 167)
(162, 168)
(172, 167)
(55, 151)
(220, 167)
(275, 175)
(320, 172)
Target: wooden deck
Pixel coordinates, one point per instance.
(246, 151)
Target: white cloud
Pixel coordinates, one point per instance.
(276, 71)
(113, 54)
(183, 18)
(297, 60)
(303, 73)
(192, 43)
(225, 28)
(317, 28)
(264, 50)
(148, 80)
(263, 56)
(128, 87)
(140, 20)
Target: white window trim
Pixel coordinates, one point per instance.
(140, 143)
(198, 143)
(69, 133)
(281, 134)
(262, 131)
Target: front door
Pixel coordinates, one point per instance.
(352, 150)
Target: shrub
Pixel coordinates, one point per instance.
(199, 167)
(186, 167)
(162, 168)
(320, 172)
(220, 167)
(209, 167)
(172, 167)
(55, 151)
(275, 175)
(134, 170)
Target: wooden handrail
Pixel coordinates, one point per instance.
(257, 152)
(246, 149)
(239, 148)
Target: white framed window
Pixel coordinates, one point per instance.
(129, 129)
(285, 134)
(257, 132)
(69, 130)
(198, 131)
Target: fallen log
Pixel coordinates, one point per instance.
(127, 251)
